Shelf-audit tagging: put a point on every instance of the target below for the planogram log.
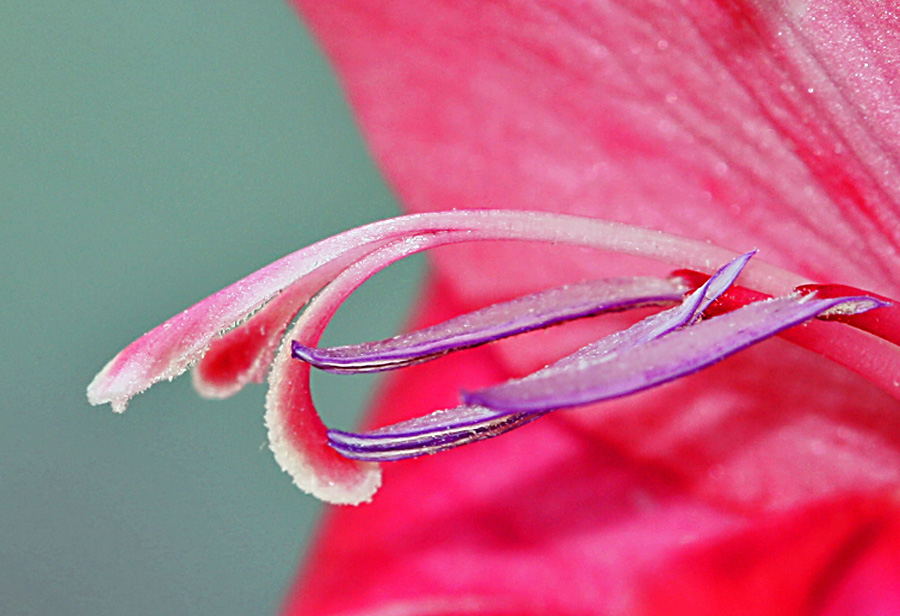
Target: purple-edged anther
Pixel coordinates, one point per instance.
(662, 347)
(502, 320)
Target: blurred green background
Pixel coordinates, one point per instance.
(150, 154)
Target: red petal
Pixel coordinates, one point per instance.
(815, 560)
(753, 124)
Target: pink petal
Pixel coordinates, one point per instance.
(767, 124)
(795, 563)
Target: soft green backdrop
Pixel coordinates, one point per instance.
(151, 153)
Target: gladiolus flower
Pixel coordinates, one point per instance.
(235, 334)
(766, 484)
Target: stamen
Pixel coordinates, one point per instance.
(238, 330)
(659, 348)
(523, 314)
(640, 367)
(734, 297)
(467, 423)
(527, 313)
(655, 326)
(884, 323)
(432, 433)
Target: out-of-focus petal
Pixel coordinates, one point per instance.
(749, 123)
(704, 118)
(822, 559)
(740, 122)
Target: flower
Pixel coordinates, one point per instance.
(235, 334)
(751, 124)
(700, 119)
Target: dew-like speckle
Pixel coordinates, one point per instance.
(798, 8)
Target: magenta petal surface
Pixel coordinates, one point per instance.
(658, 361)
(523, 314)
(704, 118)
